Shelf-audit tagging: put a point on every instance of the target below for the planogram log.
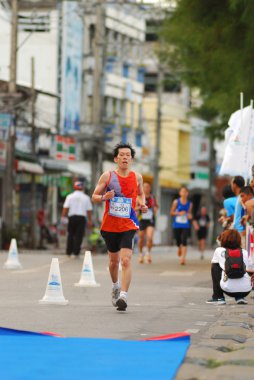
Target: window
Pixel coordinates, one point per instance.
(152, 29)
(125, 134)
(138, 138)
(91, 35)
(34, 22)
(150, 82)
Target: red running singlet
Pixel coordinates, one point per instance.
(120, 215)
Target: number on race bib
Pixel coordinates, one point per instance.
(120, 207)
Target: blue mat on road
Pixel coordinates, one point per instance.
(37, 357)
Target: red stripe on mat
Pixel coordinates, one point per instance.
(169, 336)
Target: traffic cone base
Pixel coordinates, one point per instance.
(87, 278)
(54, 292)
(12, 261)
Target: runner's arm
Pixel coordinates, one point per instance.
(141, 199)
(190, 212)
(99, 194)
(173, 208)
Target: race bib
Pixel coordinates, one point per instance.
(120, 207)
(147, 215)
(183, 219)
(202, 222)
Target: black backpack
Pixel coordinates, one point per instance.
(234, 264)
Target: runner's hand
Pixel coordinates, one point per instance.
(143, 208)
(109, 195)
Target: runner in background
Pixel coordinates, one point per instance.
(181, 210)
(120, 189)
(201, 225)
(147, 225)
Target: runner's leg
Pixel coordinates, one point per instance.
(149, 236)
(125, 255)
(141, 239)
(114, 265)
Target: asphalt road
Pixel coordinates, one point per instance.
(164, 297)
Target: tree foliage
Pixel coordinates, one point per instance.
(210, 45)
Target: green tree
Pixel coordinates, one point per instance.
(210, 45)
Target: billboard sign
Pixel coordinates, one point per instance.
(5, 124)
(72, 55)
(3, 154)
(63, 148)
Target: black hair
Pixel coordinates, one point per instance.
(183, 187)
(227, 192)
(121, 146)
(238, 180)
(247, 190)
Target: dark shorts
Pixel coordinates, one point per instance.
(143, 224)
(181, 236)
(202, 233)
(117, 240)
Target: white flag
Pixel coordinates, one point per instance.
(239, 151)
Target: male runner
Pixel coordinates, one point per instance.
(120, 189)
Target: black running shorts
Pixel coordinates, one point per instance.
(143, 224)
(117, 240)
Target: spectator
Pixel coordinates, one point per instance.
(238, 288)
(44, 231)
(236, 184)
(247, 200)
(201, 224)
(78, 208)
(227, 213)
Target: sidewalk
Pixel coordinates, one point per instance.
(226, 349)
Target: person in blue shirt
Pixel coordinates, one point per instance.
(229, 201)
(181, 210)
(227, 213)
(237, 183)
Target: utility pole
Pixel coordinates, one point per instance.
(14, 36)
(10, 171)
(156, 169)
(97, 106)
(33, 135)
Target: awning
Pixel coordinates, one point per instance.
(50, 164)
(29, 167)
(82, 168)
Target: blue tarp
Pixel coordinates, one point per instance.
(31, 356)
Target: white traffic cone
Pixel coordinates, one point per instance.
(54, 291)
(13, 259)
(87, 278)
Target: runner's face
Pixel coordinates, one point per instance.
(147, 188)
(123, 158)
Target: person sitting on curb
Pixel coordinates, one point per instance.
(233, 287)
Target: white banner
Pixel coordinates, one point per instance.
(239, 151)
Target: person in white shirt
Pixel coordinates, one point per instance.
(78, 208)
(237, 287)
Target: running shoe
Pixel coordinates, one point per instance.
(141, 259)
(121, 304)
(115, 295)
(149, 259)
(216, 301)
(242, 301)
